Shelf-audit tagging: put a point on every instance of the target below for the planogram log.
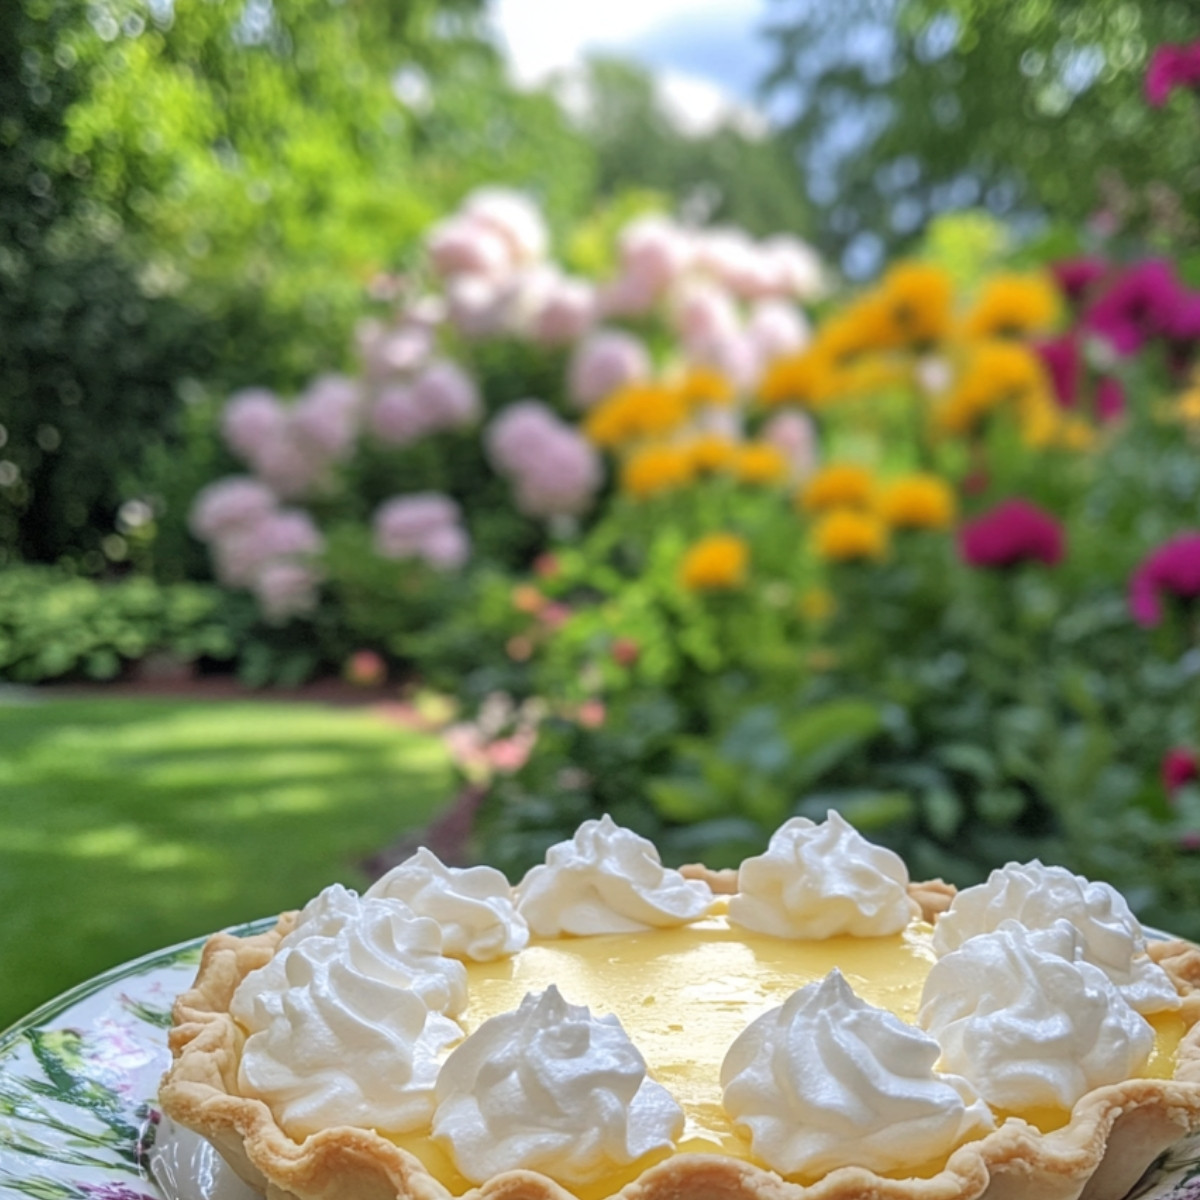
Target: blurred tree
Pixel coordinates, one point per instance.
(897, 110)
(207, 190)
(730, 174)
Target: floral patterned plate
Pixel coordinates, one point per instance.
(78, 1085)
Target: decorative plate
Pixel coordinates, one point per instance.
(78, 1108)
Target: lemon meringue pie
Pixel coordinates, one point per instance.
(815, 1027)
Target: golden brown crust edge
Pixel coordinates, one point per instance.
(1114, 1133)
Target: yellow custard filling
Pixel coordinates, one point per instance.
(684, 994)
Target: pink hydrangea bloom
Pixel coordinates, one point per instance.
(286, 589)
(795, 267)
(564, 313)
(603, 362)
(1172, 67)
(777, 328)
(461, 246)
(513, 217)
(289, 468)
(397, 418)
(1171, 570)
(480, 307)
(252, 418)
(448, 395)
(393, 350)
(795, 435)
(422, 525)
(325, 418)
(703, 313)
(1013, 532)
(229, 504)
(654, 250)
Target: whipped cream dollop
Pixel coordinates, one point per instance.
(352, 1038)
(552, 1088)
(1037, 896)
(607, 879)
(376, 938)
(818, 881)
(1032, 1024)
(827, 1080)
(473, 905)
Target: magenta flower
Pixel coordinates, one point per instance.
(1137, 307)
(1181, 322)
(1013, 532)
(1064, 364)
(1076, 276)
(1110, 399)
(1180, 767)
(1172, 67)
(1172, 570)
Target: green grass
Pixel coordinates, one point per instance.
(126, 825)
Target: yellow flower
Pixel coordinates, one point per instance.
(806, 379)
(817, 604)
(1013, 305)
(918, 502)
(839, 485)
(760, 463)
(865, 325)
(919, 298)
(706, 385)
(998, 374)
(717, 562)
(710, 452)
(636, 411)
(655, 469)
(1187, 407)
(849, 535)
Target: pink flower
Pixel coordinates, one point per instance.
(423, 525)
(1013, 532)
(460, 246)
(1077, 276)
(603, 362)
(228, 505)
(252, 418)
(514, 438)
(1064, 364)
(653, 250)
(325, 418)
(513, 217)
(1180, 767)
(1173, 570)
(286, 589)
(479, 307)
(704, 313)
(242, 554)
(397, 418)
(777, 328)
(1181, 321)
(1172, 67)
(447, 395)
(592, 714)
(1110, 403)
(566, 312)
(1136, 307)
(289, 468)
(795, 267)
(794, 434)
(391, 351)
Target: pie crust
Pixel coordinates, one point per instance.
(1113, 1135)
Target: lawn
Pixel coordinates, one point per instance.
(127, 825)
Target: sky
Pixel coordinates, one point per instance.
(705, 52)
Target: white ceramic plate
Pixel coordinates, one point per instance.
(78, 1099)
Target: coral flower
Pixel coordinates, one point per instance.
(918, 502)
(760, 463)
(850, 535)
(1172, 570)
(1013, 305)
(839, 485)
(919, 297)
(718, 562)
(1013, 532)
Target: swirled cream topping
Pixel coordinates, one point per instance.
(818, 881)
(1030, 1022)
(607, 879)
(473, 906)
(549, 1087)
(352, 1039)
(1037, 896)
(827, 1080)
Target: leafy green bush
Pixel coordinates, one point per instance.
(55, 625)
